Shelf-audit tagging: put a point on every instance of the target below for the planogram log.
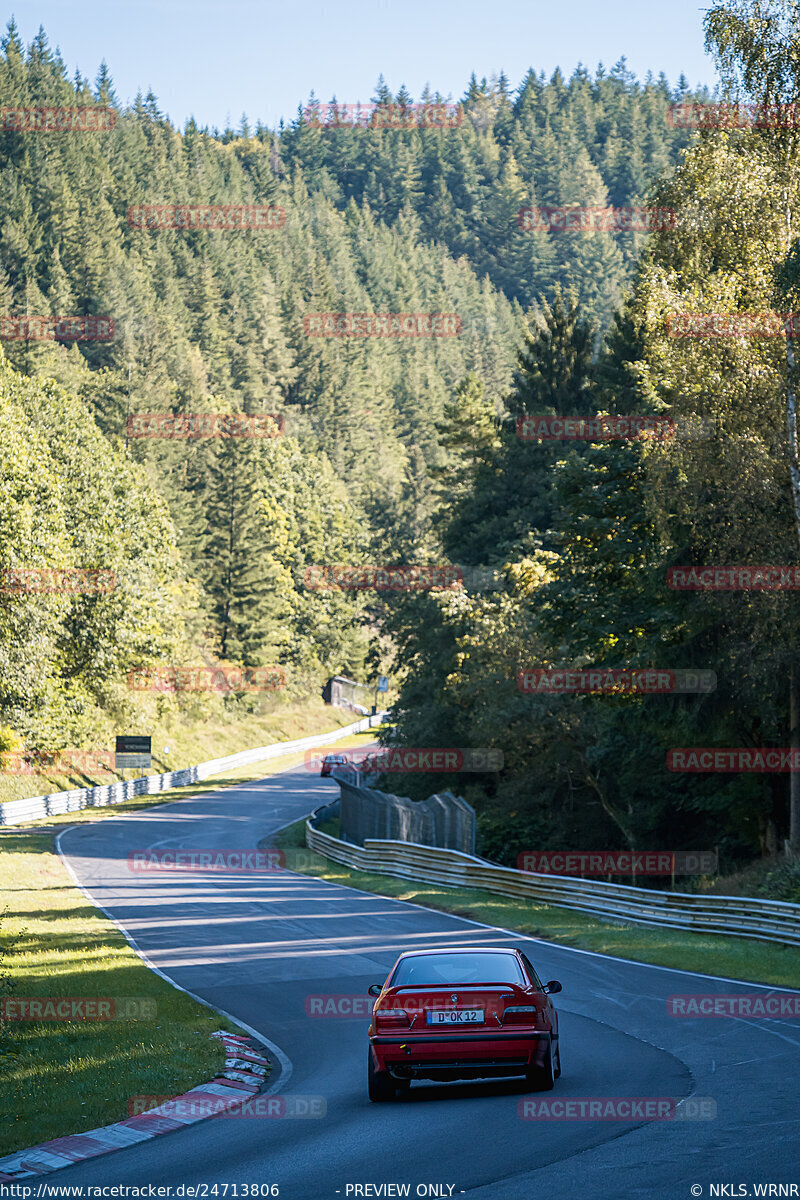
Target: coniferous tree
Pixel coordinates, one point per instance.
(247, 587)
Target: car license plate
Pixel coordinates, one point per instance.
(456, 1016)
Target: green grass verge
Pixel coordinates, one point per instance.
(68, 1077)
(64, 1077)
(183, 737)
(737, 958)
(215, 784)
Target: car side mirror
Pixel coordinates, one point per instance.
(375, 989)
(552, 987)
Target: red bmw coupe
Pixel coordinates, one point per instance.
(462, 1013)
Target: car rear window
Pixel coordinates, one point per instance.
(432, 970)
(534, 977)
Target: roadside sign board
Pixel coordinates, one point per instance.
(383, 683)
(132, 751)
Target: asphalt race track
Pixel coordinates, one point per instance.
(258, 946)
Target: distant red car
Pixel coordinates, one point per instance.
(462, 1013)
(330, 761)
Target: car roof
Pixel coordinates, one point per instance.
(461, 950)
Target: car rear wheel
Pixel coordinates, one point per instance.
(541, 1079)
(380, 1084)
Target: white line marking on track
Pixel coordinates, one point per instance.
(283, 1059)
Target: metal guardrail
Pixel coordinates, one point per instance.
(15, 812)
(735, 916)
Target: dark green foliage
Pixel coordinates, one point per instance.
(505, 495)
(73, 500)
(587, 142)
(395, 450)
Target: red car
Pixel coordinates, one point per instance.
(462, 1013)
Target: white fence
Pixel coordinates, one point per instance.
(736, 916)
(15, 812)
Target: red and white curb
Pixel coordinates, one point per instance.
(243, 1075)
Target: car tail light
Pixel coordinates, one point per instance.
(391, 1018)
(519, 1014)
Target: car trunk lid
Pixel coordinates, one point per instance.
(427, 1009)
